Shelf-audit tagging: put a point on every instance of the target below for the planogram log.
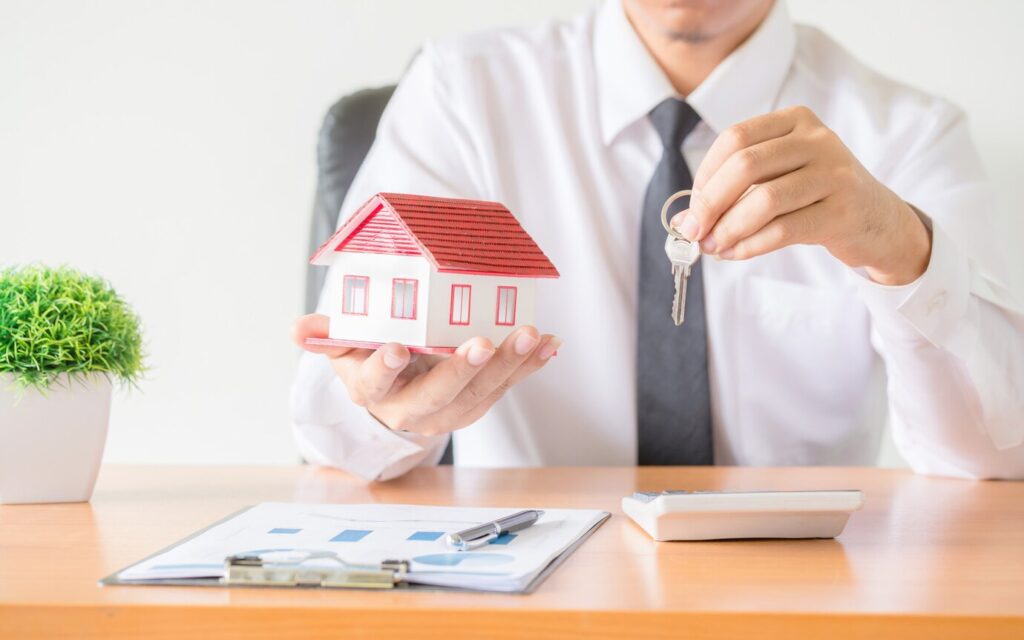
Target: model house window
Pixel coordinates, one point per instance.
(506, 306)
(354, 295)
(403, 298)
(459, 312)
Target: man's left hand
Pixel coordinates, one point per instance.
(785, 178)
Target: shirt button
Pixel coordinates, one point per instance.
(937, 302)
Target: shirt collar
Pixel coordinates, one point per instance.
(630, 83)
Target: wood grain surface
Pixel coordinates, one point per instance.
(926, 558)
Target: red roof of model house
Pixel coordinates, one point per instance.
(456, 236)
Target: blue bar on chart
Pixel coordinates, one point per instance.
(426, 536)
(351, 535)
(284, 530)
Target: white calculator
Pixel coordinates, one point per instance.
(725, 515)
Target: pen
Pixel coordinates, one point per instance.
(482, 534)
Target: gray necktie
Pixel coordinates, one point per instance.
(673, 402)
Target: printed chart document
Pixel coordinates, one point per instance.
(372, 533)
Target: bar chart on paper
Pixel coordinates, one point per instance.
(372, 533)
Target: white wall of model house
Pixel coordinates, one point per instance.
(483, 307)
(377, 325)
(432, 326)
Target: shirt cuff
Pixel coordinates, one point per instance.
(364, 446)
(933, 305)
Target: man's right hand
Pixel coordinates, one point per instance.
(430, 395)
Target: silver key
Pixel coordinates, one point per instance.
(682, 255)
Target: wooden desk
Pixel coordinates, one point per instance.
(928, 558)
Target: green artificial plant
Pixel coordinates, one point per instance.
(59, 321)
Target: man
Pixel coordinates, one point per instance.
(845, 225)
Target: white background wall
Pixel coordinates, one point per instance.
(169, 146)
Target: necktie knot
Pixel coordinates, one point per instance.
(673, 119)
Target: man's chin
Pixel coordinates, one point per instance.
(694, 36)
(678, 21)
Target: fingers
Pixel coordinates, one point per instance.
(513, 352)
(798, 227)
(368, 375)
(347, 367)
(549, 344)
(764, 203)
(435, 389)
(373, 377)
(519, 355)
(439, 399)
(747, 134)
(754, 151)
(514, 362)
(746, 167)
(347, 362)
(315, 325)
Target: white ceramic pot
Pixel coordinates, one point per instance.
(51, 445)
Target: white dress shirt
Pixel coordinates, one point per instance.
(807, 357)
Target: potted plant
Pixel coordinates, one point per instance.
(65, 337)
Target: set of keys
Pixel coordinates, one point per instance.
(683, 254)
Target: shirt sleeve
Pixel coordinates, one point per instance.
(422, 146)
(953, 341)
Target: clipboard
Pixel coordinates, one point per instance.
(269, 570)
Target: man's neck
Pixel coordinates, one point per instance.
(685, 62)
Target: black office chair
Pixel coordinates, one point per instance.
(346, 135)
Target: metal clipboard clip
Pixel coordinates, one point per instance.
(294, 569)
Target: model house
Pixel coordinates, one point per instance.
(429, 273)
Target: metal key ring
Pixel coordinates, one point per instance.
(664, 213)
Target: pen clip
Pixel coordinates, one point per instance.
(484, 533)
(476, 543)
